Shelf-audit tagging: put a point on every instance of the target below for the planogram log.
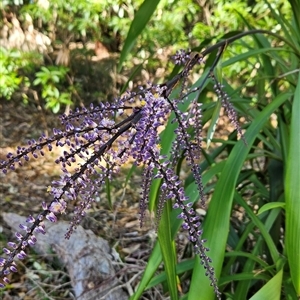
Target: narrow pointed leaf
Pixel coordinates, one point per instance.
(292, 194)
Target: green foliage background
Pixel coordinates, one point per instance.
(185, 24)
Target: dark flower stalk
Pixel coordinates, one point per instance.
(100, 139)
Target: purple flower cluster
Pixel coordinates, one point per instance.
(224, 98)
(98, 140)
(181, 57)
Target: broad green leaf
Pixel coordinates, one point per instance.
(271, 290)
(292, 194)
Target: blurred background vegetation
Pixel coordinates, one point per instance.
(61, 54)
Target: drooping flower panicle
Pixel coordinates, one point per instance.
(98, 140)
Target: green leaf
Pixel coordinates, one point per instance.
(37, 81)
(154, 261)
(270, 205)
(243, 276)
(181, 267)
(271, 290)
(138, 24)
(292, 194)
(55, 108)
(264, 228)
(251, 53)
(54, 77)
(56, 93)
(249, 255)
(168, 250)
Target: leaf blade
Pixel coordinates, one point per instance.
(292, 194)
(138, 24)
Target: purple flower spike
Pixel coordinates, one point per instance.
(12, 245)
(95, 142)
(6, 251)
(6, 280)
(51, 217)
(21, 255)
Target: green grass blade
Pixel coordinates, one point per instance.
(271, 205)
(216, 225)
(154, 262)
(167, 247)
(238, 247)
(284, 138)
(243, 286)
(138, 24)
(292, 194)
(181, 267)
